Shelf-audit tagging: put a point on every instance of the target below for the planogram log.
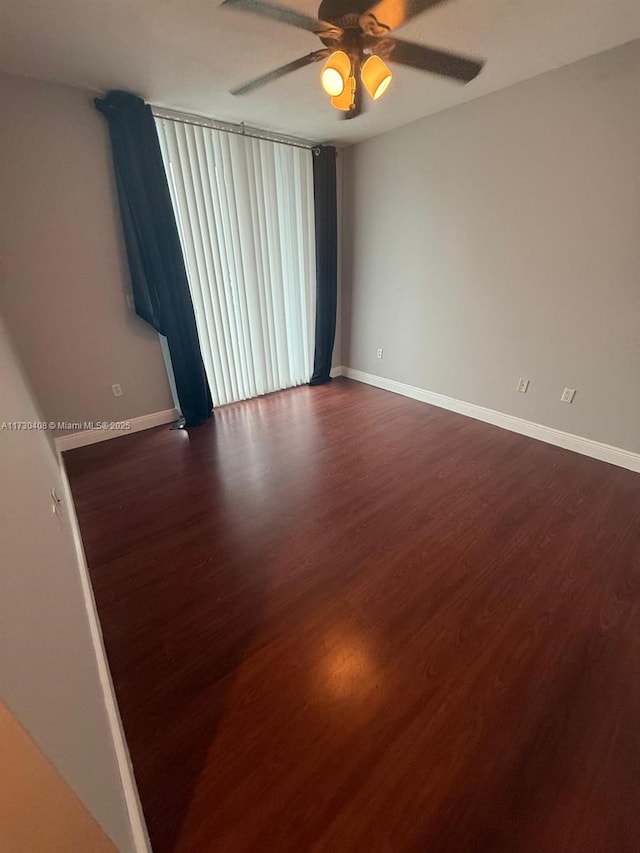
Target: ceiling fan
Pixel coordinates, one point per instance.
(357, 38)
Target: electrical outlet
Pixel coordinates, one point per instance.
(567, 395)
(117, 390)
(523, 386)
(379, 353)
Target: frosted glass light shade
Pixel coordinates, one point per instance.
(335, 73)
(346, 100)
(376, 76)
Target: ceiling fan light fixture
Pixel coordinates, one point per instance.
(376, 76)
(335, 73)
(347, 100)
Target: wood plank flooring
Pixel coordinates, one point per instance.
(341, 620)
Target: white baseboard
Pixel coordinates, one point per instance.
(137, 825)
(585, 446)
(337, 371)
(91, 436)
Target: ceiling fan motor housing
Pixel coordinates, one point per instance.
(358, 35)
(332, 10)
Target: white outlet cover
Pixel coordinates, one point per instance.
(117, 390)
(522, 386)
(567, 395)
(379, 352)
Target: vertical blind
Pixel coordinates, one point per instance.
(245, 214)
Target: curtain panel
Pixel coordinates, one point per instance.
(156, 264)
(326, 233)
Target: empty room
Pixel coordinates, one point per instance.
(320, 426)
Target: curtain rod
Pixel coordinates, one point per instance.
(228, 127)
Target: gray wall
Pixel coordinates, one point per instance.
(501, 239)
(48, 670)
(63, 273)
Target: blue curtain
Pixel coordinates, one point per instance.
(158, 275)
(326, 214)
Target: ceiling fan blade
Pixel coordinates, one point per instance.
(316, 56)
(435, 61)
(283, 14)
(394, 13)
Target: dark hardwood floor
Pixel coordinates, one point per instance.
(341, 620)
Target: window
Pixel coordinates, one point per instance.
(244, 209)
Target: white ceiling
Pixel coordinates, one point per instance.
(187, 54)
